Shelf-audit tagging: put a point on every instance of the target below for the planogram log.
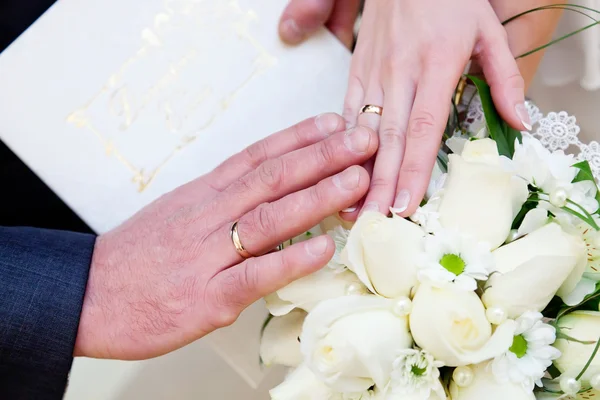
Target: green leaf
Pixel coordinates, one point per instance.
(553, 371)
(583, 215)
(529, 205)
(585, 174)
(592, 297)
(499, 131)
(442, 159)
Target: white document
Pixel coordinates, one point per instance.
(115, 102)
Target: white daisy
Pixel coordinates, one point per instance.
(542, 168)
(415, 375)
(428, 216)
(530, 354)
(451, 257)
(340, 238)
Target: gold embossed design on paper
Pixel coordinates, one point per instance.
(161, 99)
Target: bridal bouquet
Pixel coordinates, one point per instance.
(489, 291)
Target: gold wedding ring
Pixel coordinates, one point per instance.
(371, 109)
(237, 243)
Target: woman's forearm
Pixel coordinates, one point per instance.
(529, 31)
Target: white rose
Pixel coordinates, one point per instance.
(279, 343)
(301, 384)
(531, 270)
(583, 326)
(480, 198)
(305, 293)
(485, 386)
(382, 252)
(350, 342)
(451, 324)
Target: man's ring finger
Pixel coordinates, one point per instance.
(237, 242)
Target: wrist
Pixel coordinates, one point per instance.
(95, 312)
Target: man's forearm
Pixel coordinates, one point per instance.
(529, 31)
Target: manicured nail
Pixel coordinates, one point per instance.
(317, 246)
(523, 115)
(327, 123)
(371, 206)
(358, 140)
(401, 202)
(291, 32)
(348, 179)
(350, 209)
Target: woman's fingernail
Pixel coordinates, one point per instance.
(350, 209)
(291, 32)
(401, 202)
(317, 247)
(348, 179)
(523, 115)
(327, 123)
(371, 206)
(358, 140)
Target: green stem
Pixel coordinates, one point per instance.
(566, 6)
(567, 310)
(589, 361)
(560, 39)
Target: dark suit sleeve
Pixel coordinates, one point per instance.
(43, 276)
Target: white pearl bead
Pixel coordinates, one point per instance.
(496, 315)
(403, 307)
(558, 198)
(569, 385)
(353, 290)
(463, 376)
(595, 381)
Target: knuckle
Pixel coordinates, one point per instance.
(380, 183)
(325, 153)
(223, 316)
(256, 154)
(497, 35)
(413, 167)
(391, 137)
(395, 62)
(421, 125)
(317, 194)
(222, 302)
(271, 173)
(249, 279)
(515, 81)
(349, 112)
(265, 220)
(356, 86)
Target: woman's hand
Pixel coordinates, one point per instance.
(172, 274)
(409, 57)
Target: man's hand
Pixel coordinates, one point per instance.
(171, 274)
(303, 17)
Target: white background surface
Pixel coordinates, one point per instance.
(70, 54)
